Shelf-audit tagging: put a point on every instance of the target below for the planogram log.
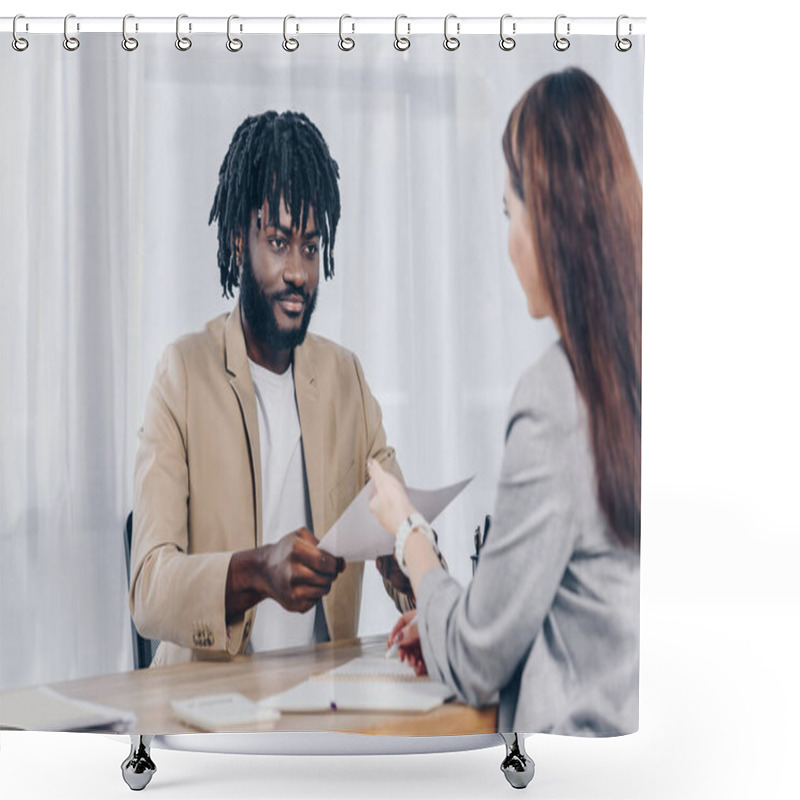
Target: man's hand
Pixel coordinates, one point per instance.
(293, 571)
(390, 570)
(296, 571)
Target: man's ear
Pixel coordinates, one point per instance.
(238, 248)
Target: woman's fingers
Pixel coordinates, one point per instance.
(376, 472)
(398, 632)
(390, 503)
(394, 635)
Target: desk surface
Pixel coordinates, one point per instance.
(148, 693)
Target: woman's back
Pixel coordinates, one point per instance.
(552, 614)
(586, 657)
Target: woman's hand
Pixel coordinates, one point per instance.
(390, 503)
(406, 635)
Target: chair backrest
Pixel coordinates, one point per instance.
(143, 649)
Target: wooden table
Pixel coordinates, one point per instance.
(148, 693)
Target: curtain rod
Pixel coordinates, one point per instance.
(352, 25)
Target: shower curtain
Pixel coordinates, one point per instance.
(110, 159)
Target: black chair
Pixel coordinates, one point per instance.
(143, 649)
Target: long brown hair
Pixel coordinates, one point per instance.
(569, 163)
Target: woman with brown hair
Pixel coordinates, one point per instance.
(551, 617)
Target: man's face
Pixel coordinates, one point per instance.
(280, 275)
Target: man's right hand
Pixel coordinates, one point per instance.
(296, 571)
(293, 571)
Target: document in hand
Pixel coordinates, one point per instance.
(358, 536)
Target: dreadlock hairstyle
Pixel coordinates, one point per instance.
(273, 155)
(569, 162)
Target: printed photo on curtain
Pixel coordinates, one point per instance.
(321, 386)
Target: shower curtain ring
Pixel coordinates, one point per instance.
(623, 45)
(561, 43)
(507, 42)
(70, 42)
(18, 43)
(451, 42)
(346, 43)
(401, 42)
(234, 45)
(128, 42)
(183, 43)
(289, 44)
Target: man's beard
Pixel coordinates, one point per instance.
(259, 311)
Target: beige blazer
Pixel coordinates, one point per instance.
(197, 483)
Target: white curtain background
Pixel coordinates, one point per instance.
(109, 166)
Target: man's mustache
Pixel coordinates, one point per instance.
(290, 294)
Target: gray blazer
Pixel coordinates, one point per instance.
(551, 617)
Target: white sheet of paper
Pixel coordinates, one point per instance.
(358, 536)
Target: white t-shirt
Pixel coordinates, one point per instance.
(284, 494)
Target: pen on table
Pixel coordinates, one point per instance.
(395, 648)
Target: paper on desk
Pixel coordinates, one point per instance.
(357, 535)
(41, 708)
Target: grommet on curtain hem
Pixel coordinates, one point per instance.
(401, 43)
(233, 45)
(183, 43)
(451, 43)
(289, 44)
(71, 43)
(346, 43)
(128, 42)
(19, 43)
(561, 43)
(623, 45)
(507, 42)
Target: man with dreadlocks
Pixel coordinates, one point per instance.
(256, 433)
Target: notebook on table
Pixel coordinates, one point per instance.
(367, 683)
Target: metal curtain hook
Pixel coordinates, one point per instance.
(345, 42)
(561, 43)
(70, 42)
(183, 43)
(623, 45)
(401, 42)
(18, 43)
(289, 44)
(507, 42)
(451, 42)
(128, 42)
(234, 45)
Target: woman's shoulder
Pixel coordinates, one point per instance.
(547, 389)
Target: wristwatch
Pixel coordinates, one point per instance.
(414, 522)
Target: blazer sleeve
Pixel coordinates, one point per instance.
(174, 596)
(474, 639)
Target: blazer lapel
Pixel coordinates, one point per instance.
(238, 369)
(307, 392)
(341, 604)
